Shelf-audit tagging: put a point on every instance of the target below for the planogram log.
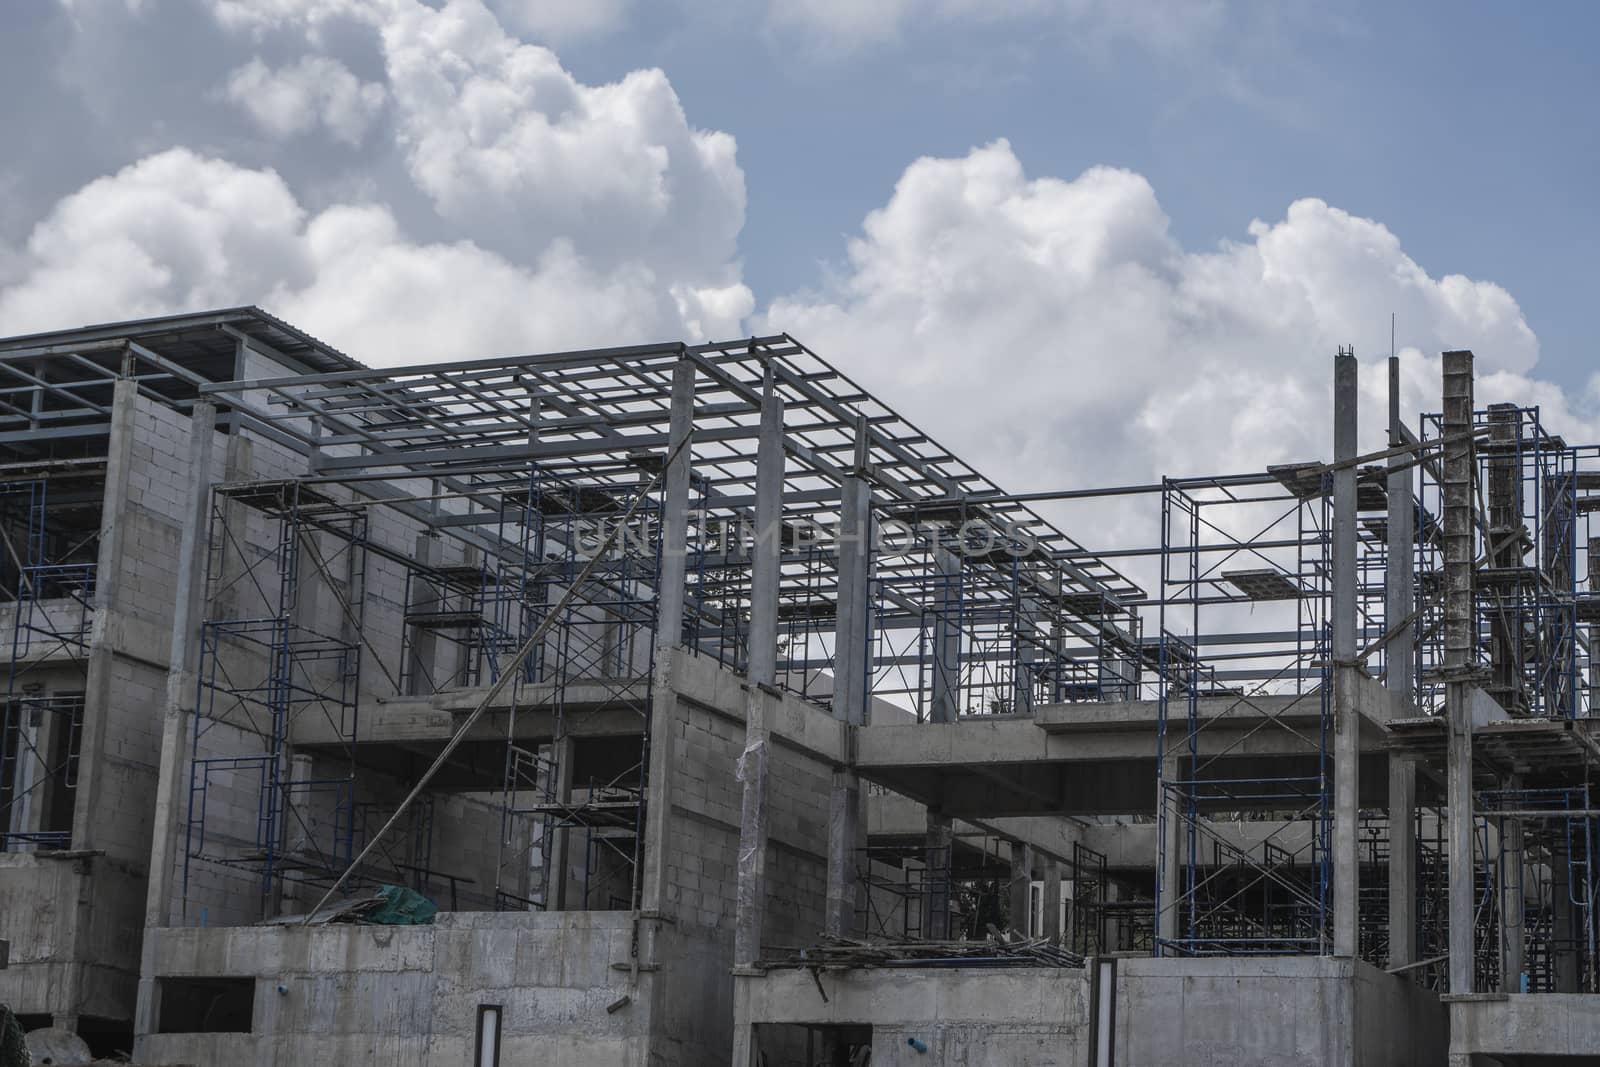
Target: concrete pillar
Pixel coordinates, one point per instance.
(183, 664)
(669, 633)
(946, 689)
(761, 676)
(1400, 677)
(1021, 887)
(844, 844)
(850, 667)
(1170, 859)
(1052, 899)
(562, 892)
(939, 843)
(1458, 474)
(88, 831)
(1346, 757)
(1511, 901)
(1027, 636)
(943, 707)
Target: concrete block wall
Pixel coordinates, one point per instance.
(701, 850)
(83, 913)
(797, 861)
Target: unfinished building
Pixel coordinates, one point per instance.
(727, 717)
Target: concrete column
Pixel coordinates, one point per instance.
(87, 830)
(1169, 851)
(1052, 899)
(946, 689)
(939, 843)
(1400, 677)
(844, 843)
(1511, 901)
(562, 892)
(761, 676)
(943, 707)
(1021, 886)
(675, 509)
(850, 667)
(1347, 732)
(669, 633)
(1027, 637)
(1458, 474)
(188, 614)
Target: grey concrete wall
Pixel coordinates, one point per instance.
(1397, 1022)
(74, 949)
(1270, 1011)
(1508, 1026)
(365, 995)
(408, 996)
(967, 1017)
(77, 919)
(41, 908)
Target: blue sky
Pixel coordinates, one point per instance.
(1087, 241)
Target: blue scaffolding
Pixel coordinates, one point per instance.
(52, 580)
(269, 660)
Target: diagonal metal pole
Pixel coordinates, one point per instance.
(507, 675)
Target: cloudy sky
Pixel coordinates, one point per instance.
(1082, 241)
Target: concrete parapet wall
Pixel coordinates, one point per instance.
(1223, 1012)
(1507, 1026)
(363, 995)
(1270, 1011)
(967, 1017)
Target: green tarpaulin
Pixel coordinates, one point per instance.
(400, 907)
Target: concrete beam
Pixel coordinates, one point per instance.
(1021, 887)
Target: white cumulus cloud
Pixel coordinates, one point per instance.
(510, 147)
(1055, 332)
(179, 231)
(316, 91)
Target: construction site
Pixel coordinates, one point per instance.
(684, 704)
